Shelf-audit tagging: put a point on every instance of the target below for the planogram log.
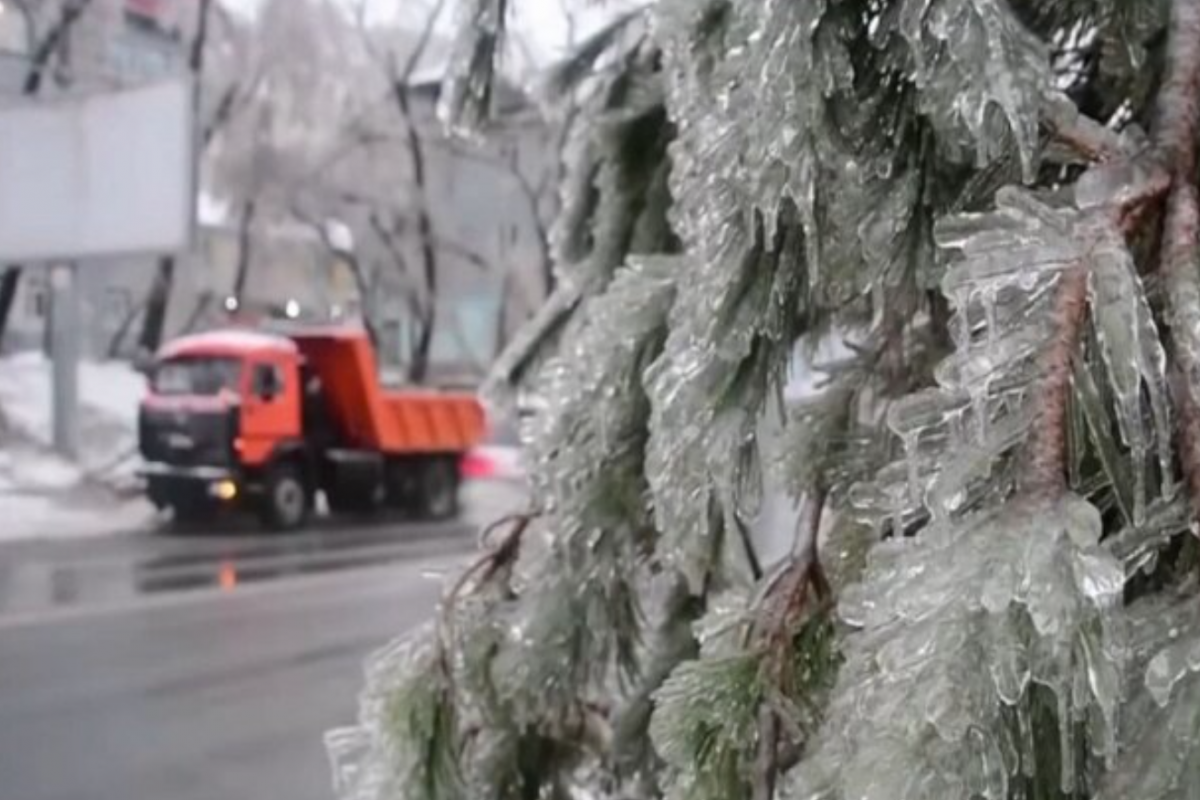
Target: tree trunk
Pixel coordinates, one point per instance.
(245, 248)
(122, 331)
(502, 314)
(157, 302)
(364, 297)
(419, 368)
(8, 293)
(420, 364)
(159, 297)
(198, 312)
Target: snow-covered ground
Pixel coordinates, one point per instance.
(108, 397)
(44, 495)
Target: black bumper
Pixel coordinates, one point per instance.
(168, 485)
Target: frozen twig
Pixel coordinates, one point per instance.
(1177, 125)
(1046, 475)
(1178, 106)
(1135, 180)
(498, 554)
(784, 604)
(1081, 134)
(766, 761)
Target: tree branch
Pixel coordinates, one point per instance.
(530, 194)
(196, 59)
(352, 262)
(221, 116)
(1082, 134)
(785, 604)
(1177, 124)
(1046, 475)
(467, 254)
(418, 52)
(425, 231)
(51, 44)
(416, 302)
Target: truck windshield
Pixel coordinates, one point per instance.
(197, 376)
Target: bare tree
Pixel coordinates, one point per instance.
(400, 78)
(222, 89)
(345, 253)
(159, 295)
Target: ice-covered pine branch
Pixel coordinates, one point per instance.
(991, 205)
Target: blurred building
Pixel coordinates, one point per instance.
(486, 200)
(113, 44)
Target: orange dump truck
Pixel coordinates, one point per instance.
(264, 422)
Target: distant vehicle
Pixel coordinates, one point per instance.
(263, 422)
(498, 457)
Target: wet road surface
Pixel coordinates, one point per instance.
(199, 667)
(41, 577)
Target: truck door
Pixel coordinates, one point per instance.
(270, 411)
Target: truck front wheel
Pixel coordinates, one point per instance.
(286, 501)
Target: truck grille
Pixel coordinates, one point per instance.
(187, 438)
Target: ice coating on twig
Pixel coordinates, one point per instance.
(956, 627)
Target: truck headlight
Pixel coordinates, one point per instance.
(224, 490)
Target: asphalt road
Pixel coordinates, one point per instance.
(199, 667)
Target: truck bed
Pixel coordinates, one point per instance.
(393, 421)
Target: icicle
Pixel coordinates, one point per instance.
(958, 429)
(1138, 455)
(987, 299)
(979, 409)
(897, 496)
(914, 475)
(1169, 667)
(1027, 745)
(1066, 741)
(963, 328)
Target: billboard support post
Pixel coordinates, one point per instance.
(65, 347)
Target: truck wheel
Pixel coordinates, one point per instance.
(437, 496)
(286, 500)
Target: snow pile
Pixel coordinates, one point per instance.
(68, 516)
(43, 495)
(108, 398)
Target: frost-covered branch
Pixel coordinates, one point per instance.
(1085, 136)
(1176, 131)
(996, 451)
(1049, 435)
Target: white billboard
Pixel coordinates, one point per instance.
(102, 175)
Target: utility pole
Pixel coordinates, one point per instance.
(64, 351)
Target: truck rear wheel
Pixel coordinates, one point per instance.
(286, 500)
(437, 489)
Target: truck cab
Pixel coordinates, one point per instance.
(261, 421)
